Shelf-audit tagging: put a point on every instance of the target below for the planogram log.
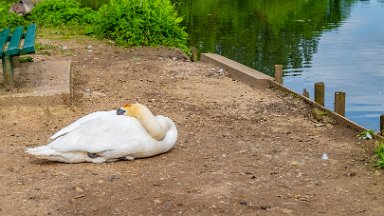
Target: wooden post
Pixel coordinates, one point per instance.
(16, 66)
(382, 124)
(194, 54)
(16, 62)
(319, 93)
(305, 93)
(340, 103)
(8, 73)
(279, 74)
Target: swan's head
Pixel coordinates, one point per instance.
(132, 110)
(156, 127)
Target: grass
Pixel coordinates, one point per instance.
(380, 155)
(366, 135)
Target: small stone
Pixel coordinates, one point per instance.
(286, 211)
(295, 163)
(242, 202)
(157, 201)
(79, 190)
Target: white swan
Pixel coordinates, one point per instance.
(130, 132)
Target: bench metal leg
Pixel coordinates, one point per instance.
(9, 82)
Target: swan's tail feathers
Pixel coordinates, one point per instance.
(45, 152)
(41, 151)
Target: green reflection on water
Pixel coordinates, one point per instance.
(259, 33)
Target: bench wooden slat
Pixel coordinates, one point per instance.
(14, 43)
(29, 40)
(3, 39)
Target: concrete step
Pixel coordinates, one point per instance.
(40, 83)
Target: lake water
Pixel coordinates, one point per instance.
(338, 42)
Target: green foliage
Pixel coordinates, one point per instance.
(61, 13)
(366, 135)
(380, 155)
(141, 22)
(9, 19)
(25, 59)
(50, 13)
(127, 22)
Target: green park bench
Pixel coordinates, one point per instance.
(11, 47)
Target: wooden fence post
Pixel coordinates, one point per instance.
(194, 54)
(340, 103)
(382, 124)
(319, 93)
(305, 93)
(279, 74)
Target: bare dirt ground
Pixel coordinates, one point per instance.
(240, 151)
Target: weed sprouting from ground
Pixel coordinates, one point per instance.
(380, 155)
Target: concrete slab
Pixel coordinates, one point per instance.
(238, 71)
(47, 82)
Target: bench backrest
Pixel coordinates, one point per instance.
(13, 48)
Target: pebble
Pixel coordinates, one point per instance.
(377, 173)
(79, 190)
(286, 211)
(324, 157)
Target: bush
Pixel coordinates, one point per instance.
(61, 13)
(9, 19)
(380, 155)
(50, 13)
(127, 22)
(141, 22)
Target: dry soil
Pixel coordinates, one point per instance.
(240, 151)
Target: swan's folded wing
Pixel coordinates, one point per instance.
(101, 134)
(81, 120)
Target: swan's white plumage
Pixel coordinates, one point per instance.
(83, 119)
(110, 136)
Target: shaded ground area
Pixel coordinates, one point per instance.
(241, 151)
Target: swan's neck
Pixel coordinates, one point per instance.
(157, 129)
